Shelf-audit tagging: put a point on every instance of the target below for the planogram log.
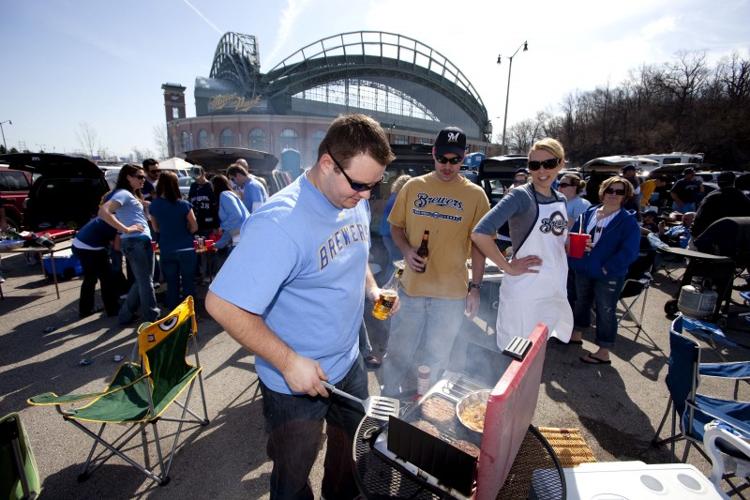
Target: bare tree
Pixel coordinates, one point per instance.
(88, 138)
(161, 140)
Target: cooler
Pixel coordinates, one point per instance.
(634, 481)
(67, 265)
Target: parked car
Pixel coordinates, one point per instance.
(262, 164)
(67, 192)
(14, 190)
(184, 183)
(496, 174)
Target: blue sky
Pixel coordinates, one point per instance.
(103, 62)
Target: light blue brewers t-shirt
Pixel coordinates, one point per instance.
(130, 212)
(253, 194)
(301, 265)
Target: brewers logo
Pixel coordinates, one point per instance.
(556, 223)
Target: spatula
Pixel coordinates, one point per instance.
(378, 407)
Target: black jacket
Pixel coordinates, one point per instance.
(724, 202)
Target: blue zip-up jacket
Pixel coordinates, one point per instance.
(616, 249)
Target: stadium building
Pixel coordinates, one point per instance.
(410, 88)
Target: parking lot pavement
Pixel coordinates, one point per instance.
(42, 341)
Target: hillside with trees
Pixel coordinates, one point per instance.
(683, 105)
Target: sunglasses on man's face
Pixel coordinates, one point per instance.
(453, 161)
(618, 192)
(547, 164)
(356, 186)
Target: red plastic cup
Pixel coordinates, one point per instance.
(577, 245)
(210, 245)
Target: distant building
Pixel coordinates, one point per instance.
(409, 87)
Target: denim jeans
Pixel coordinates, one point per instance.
(295, 425)
(421, 321)
(141, 295)
(604, 293)
(179, 269)
(96, 267)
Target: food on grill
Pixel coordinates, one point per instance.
(472, 415)
(467, 447)
(438, 410)
(427, 427)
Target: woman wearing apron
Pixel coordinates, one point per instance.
(533, 289)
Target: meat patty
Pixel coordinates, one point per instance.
(438, 410)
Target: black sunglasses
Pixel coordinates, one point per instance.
(547, 164)
(618, 192)
(453, 161)
(566, 185)
(356, 186)
(140, 177)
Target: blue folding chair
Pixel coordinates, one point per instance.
(695, 410)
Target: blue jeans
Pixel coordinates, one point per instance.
(179, 268)
(295, 430)
(421, 321)
(604, 293)
(141, 295)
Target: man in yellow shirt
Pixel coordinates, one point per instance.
(436, 290)
(648, 188)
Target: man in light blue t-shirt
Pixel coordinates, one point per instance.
(297, 301)
(254, 193)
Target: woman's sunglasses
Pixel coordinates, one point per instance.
(547, 164)
(140, 177)
(618, 192)
(566, 185)
(356, 186)
(453, 161)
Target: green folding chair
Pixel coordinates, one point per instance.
(140, 393)
(19, 477)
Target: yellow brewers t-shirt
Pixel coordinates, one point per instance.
(449, 210)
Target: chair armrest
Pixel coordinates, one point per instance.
(50, 398)
(739, 369)
(706, 331)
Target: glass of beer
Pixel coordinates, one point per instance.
(382, 308)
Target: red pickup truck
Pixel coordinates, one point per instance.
(14, 190)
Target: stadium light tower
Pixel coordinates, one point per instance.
(3, 133)
(525, 46)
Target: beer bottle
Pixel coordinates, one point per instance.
(382, 308)
(423, 251)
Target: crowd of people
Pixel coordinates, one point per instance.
(294, 271)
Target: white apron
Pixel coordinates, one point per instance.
(542, 297)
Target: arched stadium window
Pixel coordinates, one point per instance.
(187, 141)
(202, 139)
(226, 139)
(289, 139)
(257, 139)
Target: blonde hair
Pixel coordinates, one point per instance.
(614, 180)
(550, 145)
(400, 181)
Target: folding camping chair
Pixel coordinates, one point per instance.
(693, 409)
(19, 477)
(729, 450)
(637, 283)
(140, 394)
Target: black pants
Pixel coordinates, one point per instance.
(96, 266)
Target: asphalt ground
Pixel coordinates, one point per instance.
(42, 341)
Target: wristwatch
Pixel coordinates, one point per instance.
(474, 285)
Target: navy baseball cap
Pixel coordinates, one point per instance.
(450, 140)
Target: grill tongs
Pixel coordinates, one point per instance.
(378, 407)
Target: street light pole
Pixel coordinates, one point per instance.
(3, 133)
(525, 47)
